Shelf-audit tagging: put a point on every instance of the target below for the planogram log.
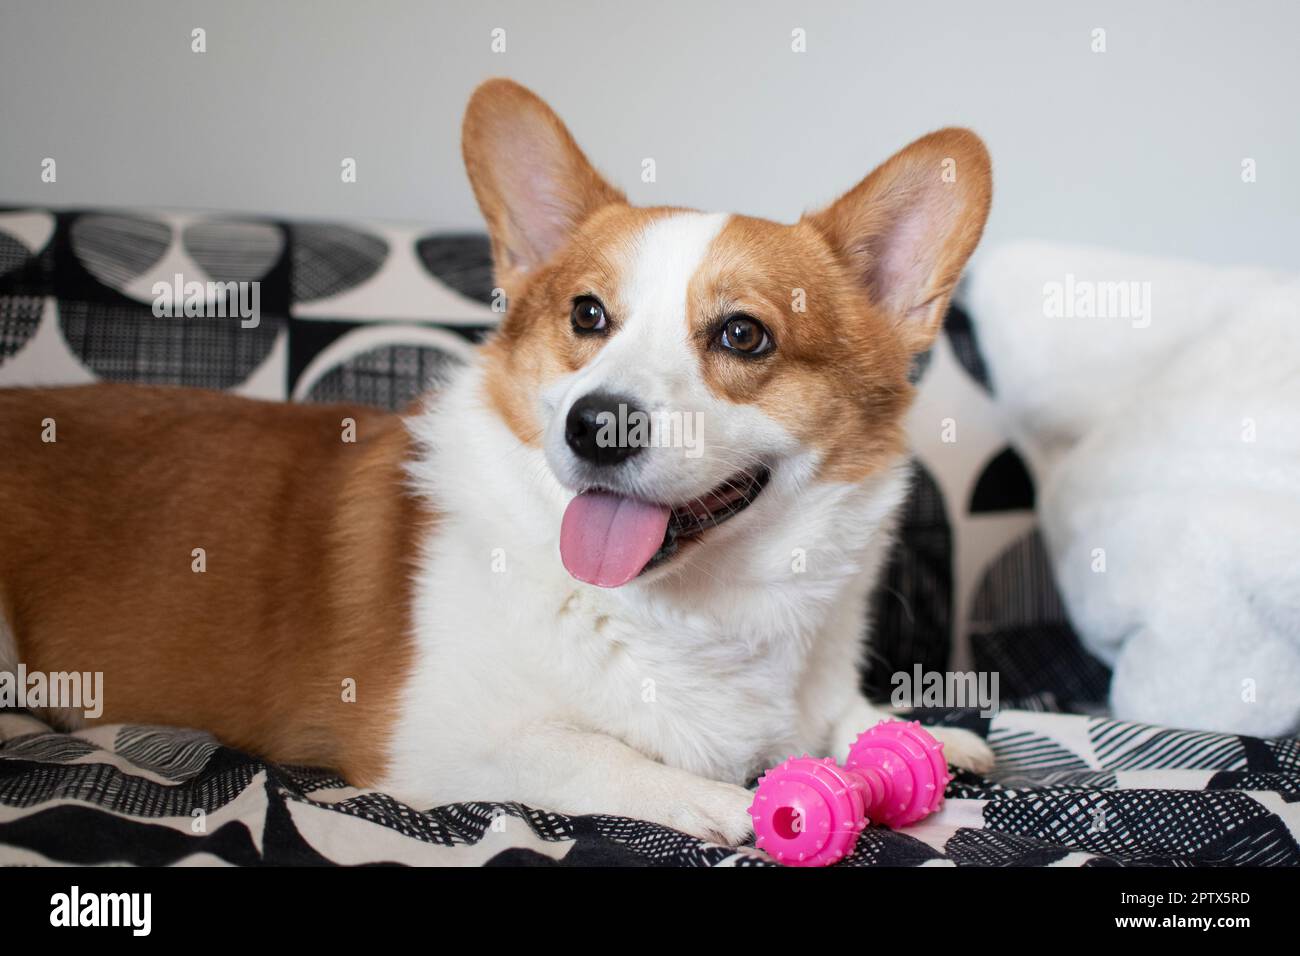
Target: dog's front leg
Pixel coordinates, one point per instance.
(832, 700)
(961, 748)
(575, 771)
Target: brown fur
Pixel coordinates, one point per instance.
(308, 539)
(837, 380)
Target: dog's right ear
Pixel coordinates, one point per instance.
(531, 180)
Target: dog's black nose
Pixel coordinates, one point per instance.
(606, 429)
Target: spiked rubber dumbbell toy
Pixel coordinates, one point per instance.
(809, 812)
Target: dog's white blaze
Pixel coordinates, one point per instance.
(651, 358)
(652, 361)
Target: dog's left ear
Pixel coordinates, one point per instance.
(908, 228)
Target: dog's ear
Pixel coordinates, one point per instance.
(531, 180)
(907, 230)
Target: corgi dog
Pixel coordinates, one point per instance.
(499, 595)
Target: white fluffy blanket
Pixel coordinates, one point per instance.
(1158, 405)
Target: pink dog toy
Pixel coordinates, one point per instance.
(809, 812)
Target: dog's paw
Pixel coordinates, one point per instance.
(712, 811)
(964, 749)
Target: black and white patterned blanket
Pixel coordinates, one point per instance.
(1067, 790)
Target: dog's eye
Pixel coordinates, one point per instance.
(588, 315)
(745, 335)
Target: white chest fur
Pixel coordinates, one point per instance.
(720, 669)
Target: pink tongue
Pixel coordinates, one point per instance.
(606, 539)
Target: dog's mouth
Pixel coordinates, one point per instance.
(607, 539)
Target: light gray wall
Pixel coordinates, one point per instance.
(1139, 147)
